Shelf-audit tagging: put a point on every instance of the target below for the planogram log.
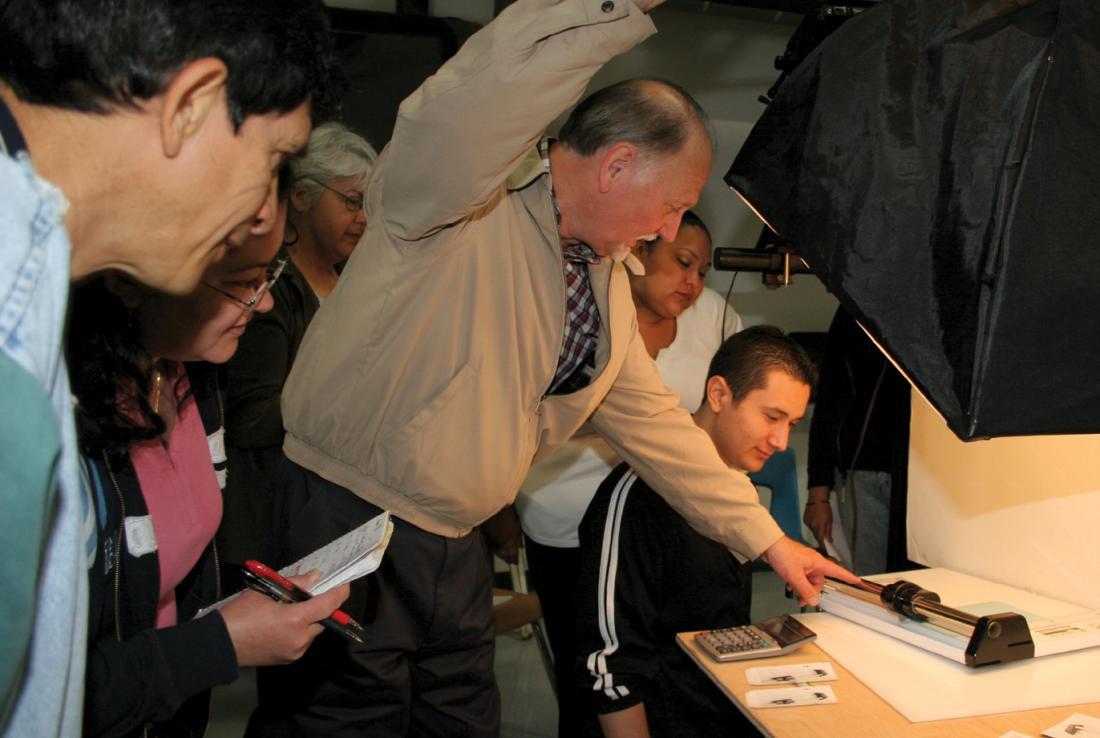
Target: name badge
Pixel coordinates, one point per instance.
(216, 440)
(140, 538)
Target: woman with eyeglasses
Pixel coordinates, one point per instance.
(150, 426)
(325, 220)
(326, 217)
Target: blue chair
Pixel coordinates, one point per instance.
(780, 475)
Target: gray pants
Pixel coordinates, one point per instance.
(426, 667)
(863, 501)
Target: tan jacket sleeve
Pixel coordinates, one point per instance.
(464, 130)
(642, 421)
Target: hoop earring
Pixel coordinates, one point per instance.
(290, 240)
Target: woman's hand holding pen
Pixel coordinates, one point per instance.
(265, 632)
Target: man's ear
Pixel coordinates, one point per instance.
(298, 199)
(125, 289)
(194, 96)
(718, 395)
(616, 162)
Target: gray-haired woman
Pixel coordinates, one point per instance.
(325, 220)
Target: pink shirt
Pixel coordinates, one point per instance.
(182, 494)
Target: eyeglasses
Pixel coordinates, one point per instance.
(352, 203)
(275, 270)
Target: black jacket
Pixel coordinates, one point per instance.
(254, 421)
(849, 374)
(140, 677)
(645, 578)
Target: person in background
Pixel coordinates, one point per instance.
(151, 429)
(859, 446)
(682, 324)
(646, 575)
(325, 223)
(326, 218)
(141, 137)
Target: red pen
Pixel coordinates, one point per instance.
(266, 580)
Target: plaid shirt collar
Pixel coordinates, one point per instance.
(582, 317)
(577, 253)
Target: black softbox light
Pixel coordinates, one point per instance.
(936, 164)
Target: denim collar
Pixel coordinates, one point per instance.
(11, 138)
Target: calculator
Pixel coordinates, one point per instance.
(770, 637)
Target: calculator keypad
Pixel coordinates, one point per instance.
(771, 637)
(725, 642)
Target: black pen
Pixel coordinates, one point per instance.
(266, 580)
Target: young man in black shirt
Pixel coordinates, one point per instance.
(646, 575)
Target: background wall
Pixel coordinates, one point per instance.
(1019, 511)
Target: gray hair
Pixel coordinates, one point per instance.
(634, 112)
(334, 150)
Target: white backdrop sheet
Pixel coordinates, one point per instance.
(1024, 512)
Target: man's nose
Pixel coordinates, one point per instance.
(264, 219)
(781, 437)
(671, 227)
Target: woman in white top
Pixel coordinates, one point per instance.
(682, 324)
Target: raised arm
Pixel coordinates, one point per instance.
(463, 131)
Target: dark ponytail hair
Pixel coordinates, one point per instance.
(110, 374)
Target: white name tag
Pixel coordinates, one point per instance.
(217, 445)
(140, 538)
(1077, 724)
(790, 696)
(818, 671)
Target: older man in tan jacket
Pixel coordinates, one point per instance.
(478, 325)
